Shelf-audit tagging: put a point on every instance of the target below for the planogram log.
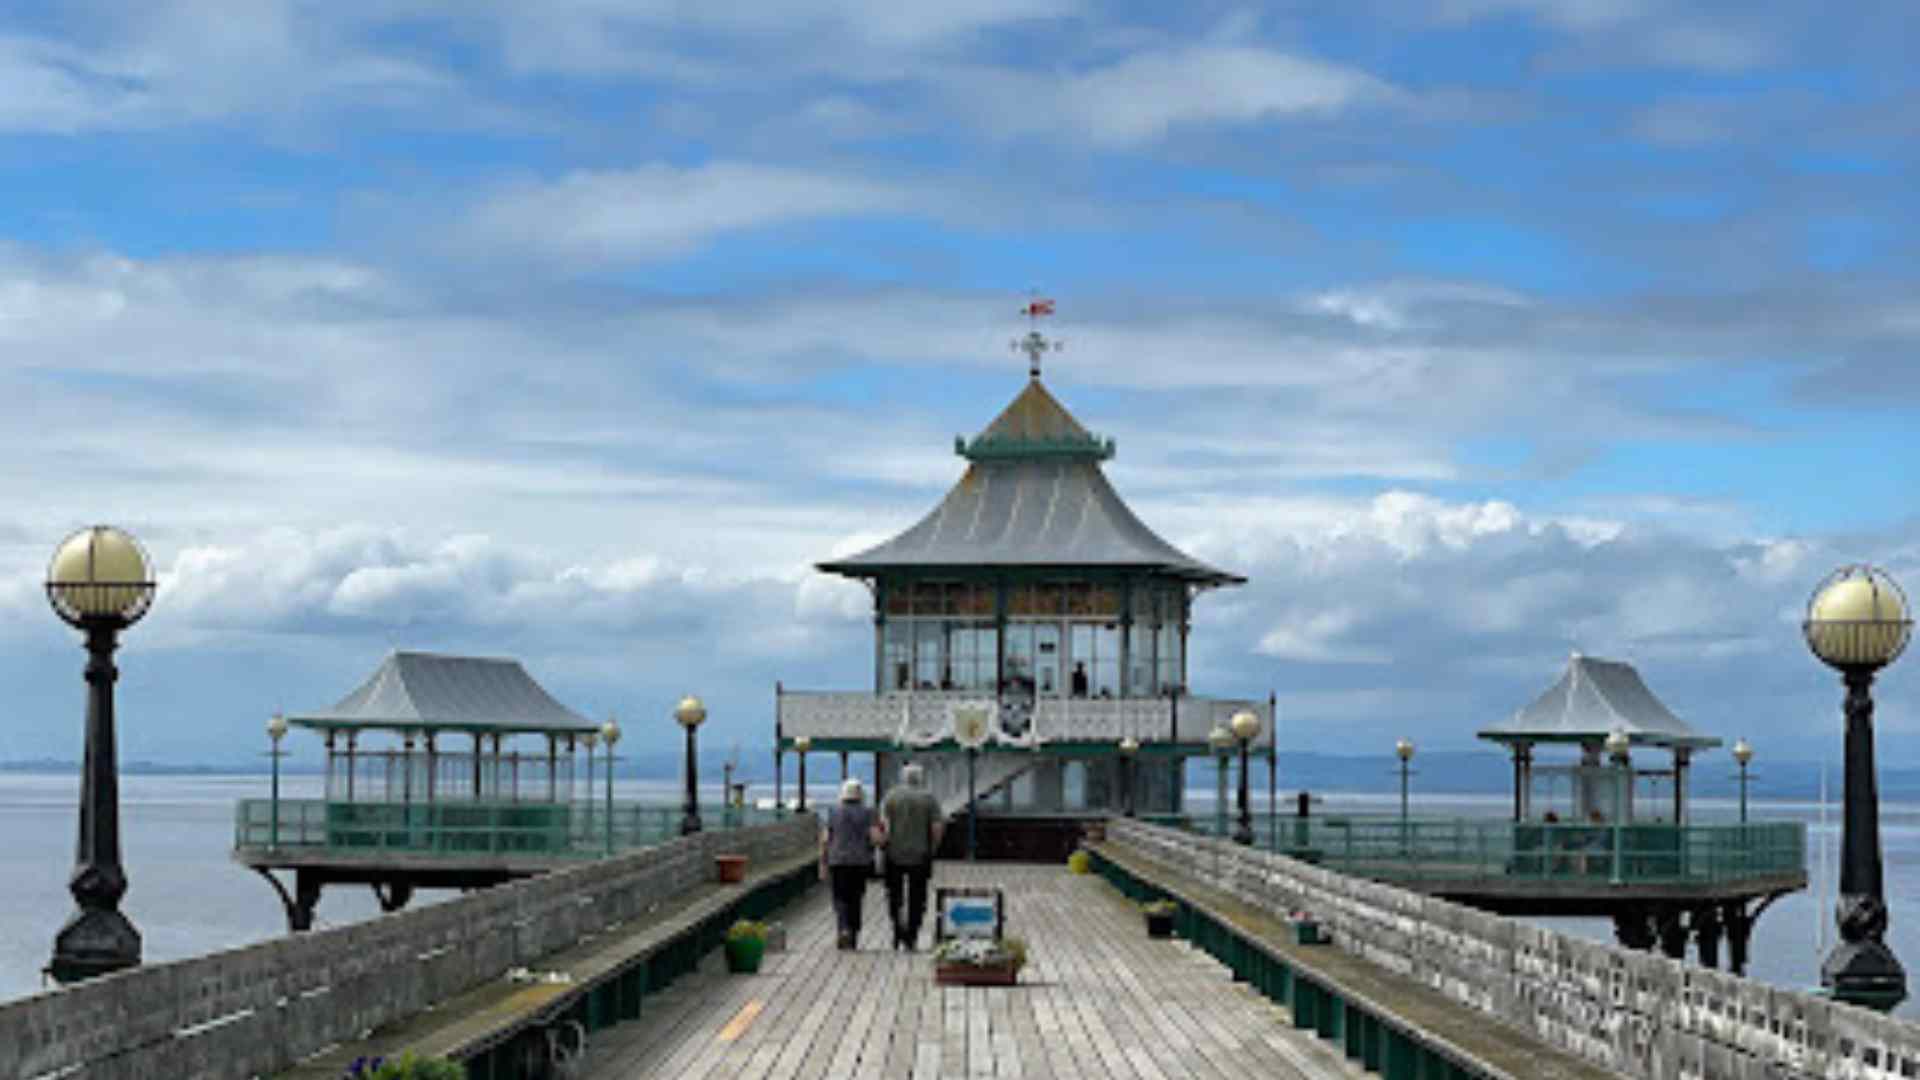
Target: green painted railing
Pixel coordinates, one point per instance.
(1483, 849)
(462, 829)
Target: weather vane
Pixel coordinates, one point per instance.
(1036, 343)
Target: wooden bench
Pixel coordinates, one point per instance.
(1383, 1018)
(508, 1028)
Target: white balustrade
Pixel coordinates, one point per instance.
(923, 717)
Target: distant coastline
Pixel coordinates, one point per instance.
(1435, 773)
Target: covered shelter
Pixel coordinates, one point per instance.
(1595, 700)
(456, 729)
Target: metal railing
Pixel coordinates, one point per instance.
(1487, 850)
(458, 829)
(923, 714)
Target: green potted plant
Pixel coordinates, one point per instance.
(746, 944)
(979, 961)
(1160, 915)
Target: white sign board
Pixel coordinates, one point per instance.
(969, 913)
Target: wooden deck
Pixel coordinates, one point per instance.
(1098, 999)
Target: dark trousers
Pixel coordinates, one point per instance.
(849, 884)
(912, 880)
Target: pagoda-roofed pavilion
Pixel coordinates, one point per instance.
(1592, 701)
(1033, 590)
(420, 701)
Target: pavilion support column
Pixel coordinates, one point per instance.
(553, 769)
(1522, 781)
(433, 766)
(1682, 764)
(478, 752)
(843, 767)
(879, 778)
(406, 774)
(352, 766)
(1706, 934)
(329, 788)
(1126, 638)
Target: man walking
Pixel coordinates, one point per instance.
(911, 823)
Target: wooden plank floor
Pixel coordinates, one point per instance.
(1098, 999)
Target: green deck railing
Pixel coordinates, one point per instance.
(1482, 849)
(457, 829)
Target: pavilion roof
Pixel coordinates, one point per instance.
(432, 692)
(1033, 495)
(1591, 699)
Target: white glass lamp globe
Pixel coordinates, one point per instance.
(100, 574)
(1246, 725)
(1404, 748)
(1129, 745)
(1220, 739)
(690, 712)
(1742, 752)
(610, 732)
(1617, 742)
(277, 728)
(803, 743)
(1857, 618)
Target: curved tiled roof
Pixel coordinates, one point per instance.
(464, 693)
(1033, 495)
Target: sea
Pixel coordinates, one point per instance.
(187, 896)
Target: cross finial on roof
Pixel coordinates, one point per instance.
(1036, 343)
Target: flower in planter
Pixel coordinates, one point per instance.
(1160, 907)
(982, 952)
(747, 930)
(408, 1067)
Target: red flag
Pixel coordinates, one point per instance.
(1038, 308)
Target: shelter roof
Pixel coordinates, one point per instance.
(1592, 698)
(428, 691)
(1033, 495)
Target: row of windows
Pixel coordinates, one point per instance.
(1070, 598)
(1056, 658)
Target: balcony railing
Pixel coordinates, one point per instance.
(469, 829)
(1425, 850)
(922, 716)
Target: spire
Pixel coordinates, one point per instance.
(1035, 344)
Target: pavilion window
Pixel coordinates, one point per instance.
(929, 653)
(1166, 653)
(899, 654)
(1020, 656)
(1046, 658)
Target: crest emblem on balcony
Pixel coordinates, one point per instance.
(972, 722)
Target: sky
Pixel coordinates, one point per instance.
(1472, 332)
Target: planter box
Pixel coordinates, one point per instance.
(1307, 932)
(743, 955)
(1160, 926)
(969, 975)
(732, 868)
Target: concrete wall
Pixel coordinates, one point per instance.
(264, 1007)
(1635, 1012)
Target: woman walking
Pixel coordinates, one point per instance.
(846, 858)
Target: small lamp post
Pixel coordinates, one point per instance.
(1618, 744)
(726, 794)
(1742, 753)
(1403, 749)
(690, 713)
(1222, 742)
(1857, 623)
(100, 583)
(1246, 728)
(610, 734)
(276, 730)
(1129, 746)
(802, 744)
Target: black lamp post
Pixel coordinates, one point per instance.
(100, 582)
(1129, 746)
(1743, 753)
(1403, 749)
(802, 744)
(1857, 623)
(1246, 728)
(610, 734)
(690, 712)
(276, 730)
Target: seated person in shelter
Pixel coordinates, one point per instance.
(1079, 680)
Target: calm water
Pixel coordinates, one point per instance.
(187, 897)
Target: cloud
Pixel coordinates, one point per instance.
(660, 210)
(1149, 95)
